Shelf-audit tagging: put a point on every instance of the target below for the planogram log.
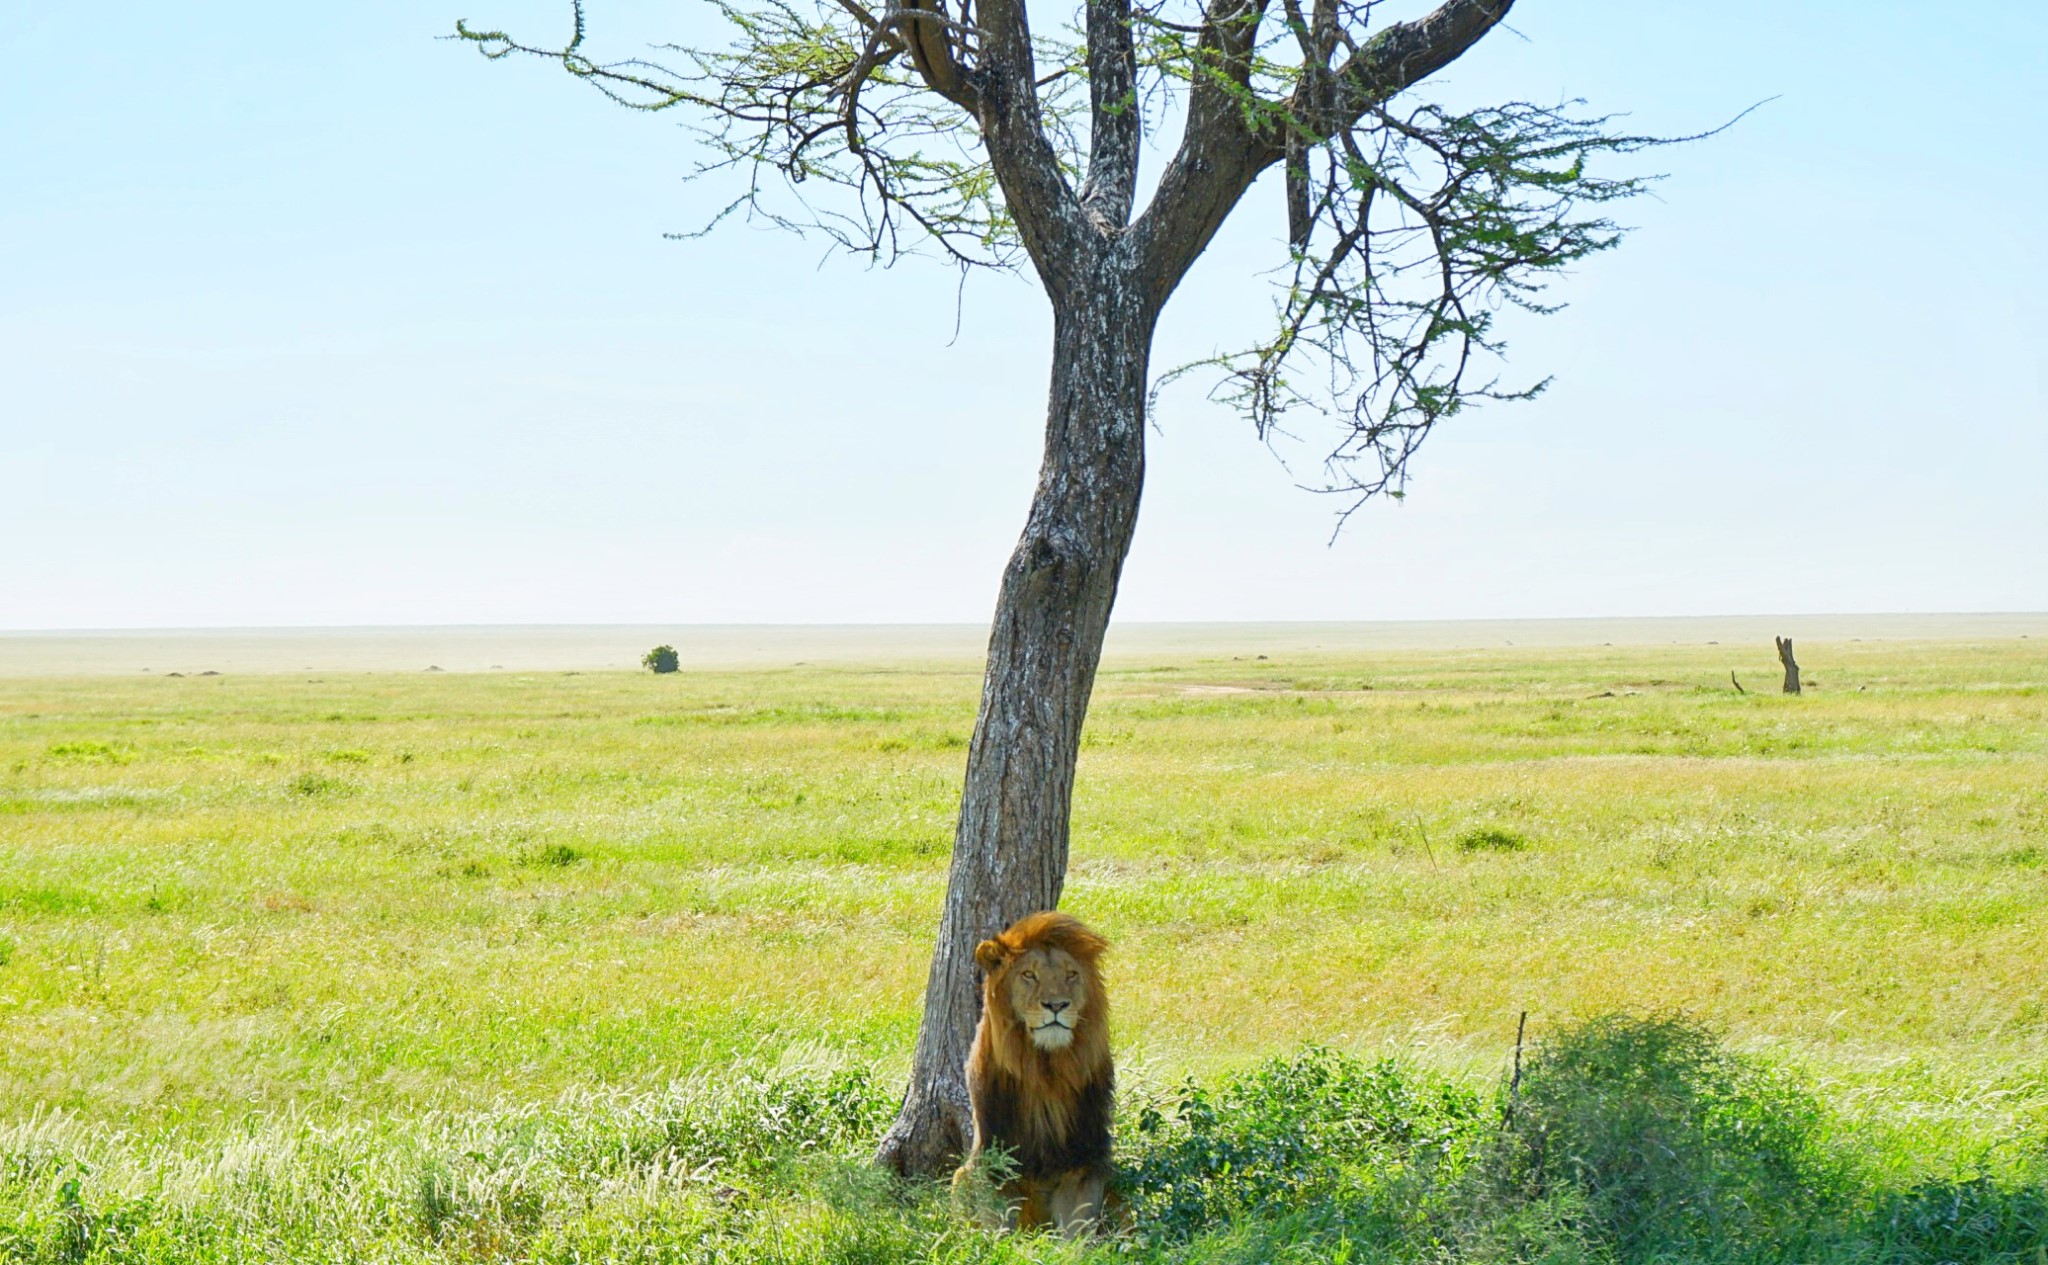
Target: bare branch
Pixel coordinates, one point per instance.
(860, 13)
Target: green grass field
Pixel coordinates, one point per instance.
(457, 966)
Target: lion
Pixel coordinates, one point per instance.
(1040, 1078)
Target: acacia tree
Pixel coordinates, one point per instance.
(950, 127)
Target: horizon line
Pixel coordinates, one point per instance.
(822, 624)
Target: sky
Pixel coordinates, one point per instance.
(310, 317)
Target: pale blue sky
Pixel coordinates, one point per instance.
(308, 318)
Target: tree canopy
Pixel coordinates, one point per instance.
(951, 128)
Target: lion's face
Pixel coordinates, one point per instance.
(1048, 992)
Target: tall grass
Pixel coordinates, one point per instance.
(1629, 1140)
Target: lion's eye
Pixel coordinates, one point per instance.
(1031, 977)
(1072, 976)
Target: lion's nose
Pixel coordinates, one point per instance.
(1057, 1006)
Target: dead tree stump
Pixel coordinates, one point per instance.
(1791, 665)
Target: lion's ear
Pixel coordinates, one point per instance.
(991, 955)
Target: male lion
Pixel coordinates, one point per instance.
(1040, 1077)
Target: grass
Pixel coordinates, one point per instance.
(446, 967)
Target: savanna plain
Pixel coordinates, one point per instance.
(605, 966)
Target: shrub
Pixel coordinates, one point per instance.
(1656, 1142)
(554, 856)
(312, 784)
(90, 752)
(661, 659)
(1315, 1130)
(1972, 1220)
(1491, 839)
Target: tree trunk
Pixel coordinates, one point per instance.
(1010, 846)
(1791, 665)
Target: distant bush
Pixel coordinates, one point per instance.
(1492, 839)
(90, 752)
(661, 659)
(312, 784)
(554, 856)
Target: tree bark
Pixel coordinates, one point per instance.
(1010, 846)
(1791, 665)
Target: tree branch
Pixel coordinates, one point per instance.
(1044, 206)
(1317, 40)
(931, 35)
(1400, 57)
(1115, 122)
(1439, 220)
(1232, 136)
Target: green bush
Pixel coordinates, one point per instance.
(1492, 839)
(1660, 1143)
(553, 856)
(1316, 1130)
(90, 752)
(313, 784)
(661, 659)
(1972, 1220)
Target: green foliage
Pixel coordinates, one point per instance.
(90, 752)
(1315, 1130)
(553, 856)
(1662, 1143)
(1411, 225)
(1634, 1142)
(1975, 1219)
(661, 659)
(887, 170)
(1427, 223)
(1492, 839)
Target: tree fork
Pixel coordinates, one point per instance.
(1010, 846)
